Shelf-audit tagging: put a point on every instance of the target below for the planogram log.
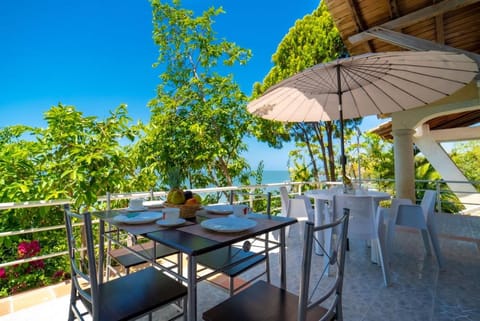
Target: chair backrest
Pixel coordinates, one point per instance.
(296, 208)
(428, 203)
(318, 286)
(362, 215)
(82, 258)
(308, 206)
(393, 210)
(284, 198)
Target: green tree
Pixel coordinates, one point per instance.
(83, 157)
(74, 157)
(467, 157)
(314, 39)
(199, 119)
(376, 157)
(18, 162)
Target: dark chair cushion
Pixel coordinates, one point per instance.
(261, 301)
(127, 259)
(221, 260)
(137, 293)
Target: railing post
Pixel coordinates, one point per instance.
(108, 201)
(439, 199)
(251, 197)
(269, 201)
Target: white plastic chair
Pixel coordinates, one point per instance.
(420, 217)
(284, 200)
(364, 224)
(298, 207)
(301, 209)
(308, 206)
(389, 218)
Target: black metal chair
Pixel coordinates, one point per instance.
(123, 298)
(232, 261)
(320, 294)
(128, 260)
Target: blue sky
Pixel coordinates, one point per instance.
(97, 54)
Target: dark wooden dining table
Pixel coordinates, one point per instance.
(192, 240)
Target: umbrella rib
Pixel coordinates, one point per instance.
(394, 67)
(370, 82)
(329, 79)
(306, 80)
(388, 66)
(389, 96)
(348, 71)
(347, 84)
(359, 71)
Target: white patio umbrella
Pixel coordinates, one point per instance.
(370, 84)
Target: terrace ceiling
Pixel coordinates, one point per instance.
(393, 25)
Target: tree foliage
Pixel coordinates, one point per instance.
(467, 157)
(376, 157)
(199, 119)
(314, 39)
(74, 157)
(83, 157)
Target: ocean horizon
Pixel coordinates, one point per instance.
(270, 177)
(275, 176)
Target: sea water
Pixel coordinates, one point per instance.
(275, 176)
(269, 177)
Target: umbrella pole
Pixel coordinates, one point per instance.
(343, 158)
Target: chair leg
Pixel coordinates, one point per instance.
(327, 249)
(185, 308)
(339, 311)
(436, 246)
(71, 315)
(267, 258)
(426, 241)
(179, 264)
(232, 285)
(389, 239)
(382, 258)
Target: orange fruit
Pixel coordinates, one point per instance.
(191, 201)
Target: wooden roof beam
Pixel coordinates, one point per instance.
(414, 17)
(440, 32)
(414, 43)
(393, 8)
(360, 25)
(439, 28)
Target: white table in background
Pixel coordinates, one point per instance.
(322, 198)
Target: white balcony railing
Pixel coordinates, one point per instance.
(250, 194)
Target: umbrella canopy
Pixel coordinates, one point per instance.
(370, 84)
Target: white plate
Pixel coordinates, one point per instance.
(219, 209)
(136, 209)
(138, 218)
(228, 224)
(171, 222)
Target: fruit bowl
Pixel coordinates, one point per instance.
(186, 210)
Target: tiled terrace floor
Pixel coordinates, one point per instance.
(420, 291)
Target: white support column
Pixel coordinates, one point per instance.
(404, 163)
